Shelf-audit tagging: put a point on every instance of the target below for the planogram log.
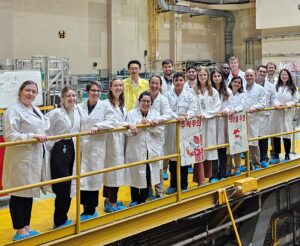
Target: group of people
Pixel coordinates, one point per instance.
(131, 102)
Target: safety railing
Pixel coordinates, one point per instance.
(80, 175)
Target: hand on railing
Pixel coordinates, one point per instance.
(133, 129)
(182, 118)
(279, 106)
(94, 130)
(40, 137)
(252, 110)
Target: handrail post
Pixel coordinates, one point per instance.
(178, 165)
(293, 137)
(247, 157)
(78, 224)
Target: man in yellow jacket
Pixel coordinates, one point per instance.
(134, 85)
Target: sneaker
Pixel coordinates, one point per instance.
(264, 164)
(133, 203)
(243, 169)
(166, 176)
(287, 158)
(85, 217)
(213, 180)
(67, 223)
(275, 160)
(237, 173)
(190, 170)
(170, 190)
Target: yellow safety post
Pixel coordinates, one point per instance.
(274, 232)
(232, 219)
(178, 162)
(78, 170)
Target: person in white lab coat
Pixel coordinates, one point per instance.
(208, 105)
(235, 70)
(287, 95)
(161, 105)
(143, 145)
(219, 167)
(23, 164)
(184, 106)
(92, 150)
(235, 105)
(264, 117)
(167, 67)
(114, 115)
(64, 120)
(255, 101)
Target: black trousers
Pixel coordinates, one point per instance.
(184, 170)
(219, 167)
(89, 199)
(20, 211)
(286, 143)
(263, 147)
(140, 195)
(111, 193)
(61, 165)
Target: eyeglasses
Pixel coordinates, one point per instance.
(146, 101)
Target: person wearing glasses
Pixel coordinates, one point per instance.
(23, 164)
(235, 105)
(142, 145)
(134, 85)
(63, 120)
(92, 150)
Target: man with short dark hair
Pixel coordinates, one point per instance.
(167, 82)
(134, 85)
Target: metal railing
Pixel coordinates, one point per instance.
(80, 175)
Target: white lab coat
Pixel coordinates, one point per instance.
(145, 145)
(23, 164)
(92, 147)
(222, 133)
(115, 145)
(256, 99)
(209, 106)
(60, 123)
(237, 102)
(264, 117)
(161, 105)
(281, 120)
(184, 103)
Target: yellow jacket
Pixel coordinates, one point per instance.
(132, 93)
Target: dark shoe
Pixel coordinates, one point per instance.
(287, 157)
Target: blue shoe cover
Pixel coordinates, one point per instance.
(274, 161)
(214, 180)
(170, 190)
(264, 164)
(110, 209)
(243, 169)
(33, 233)
(67, 223)
(184, 190)
(89, 216)
(121, 207)
(133, 203)
(18, 236)
(228, 174)
(166, 176)
(222, 179)
(190, 170)
(236, 173)
(257, 168)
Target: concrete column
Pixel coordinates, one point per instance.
(175, 37)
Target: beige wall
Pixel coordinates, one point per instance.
(277, 13)
(112, 32)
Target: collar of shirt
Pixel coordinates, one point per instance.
(235, 74)
(135, 83)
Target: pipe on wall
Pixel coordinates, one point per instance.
(209, 12)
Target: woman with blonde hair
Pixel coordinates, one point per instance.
(64, 120)
(209, 104)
